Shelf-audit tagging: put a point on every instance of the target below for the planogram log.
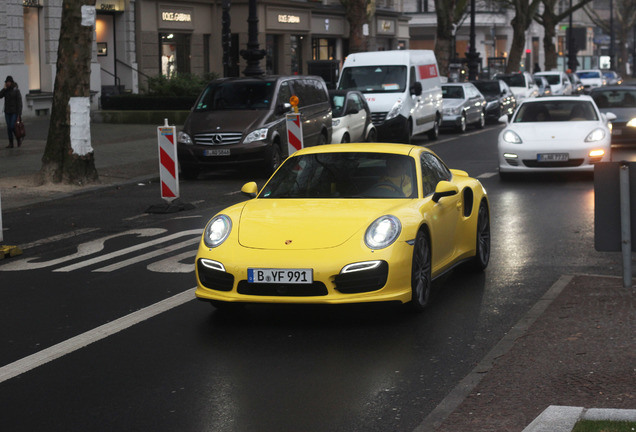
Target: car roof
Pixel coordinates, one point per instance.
(549, 73)
(613, 88)
(389, 148)
(558, 98)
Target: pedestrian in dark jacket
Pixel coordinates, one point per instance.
(12, 107)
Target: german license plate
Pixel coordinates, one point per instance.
(289, 276)
(553, 157)
(216, 152)
(617, 131)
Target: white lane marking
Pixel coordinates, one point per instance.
(80, 341)
(126, 250)
(173, 264)
(83, 250)
(149, 255)
(57, 238)
(487, 175)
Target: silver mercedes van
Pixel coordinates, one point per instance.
(240, 122)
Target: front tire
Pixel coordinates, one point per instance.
(482, 121)
(433, 134)
(421, 273)
(482, 241)
(462, 123)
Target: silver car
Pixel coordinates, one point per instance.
(462, 105)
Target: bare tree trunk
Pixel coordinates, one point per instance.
(65, 159)
(517, 45)
(358, 13)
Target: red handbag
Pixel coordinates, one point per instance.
(20, 131)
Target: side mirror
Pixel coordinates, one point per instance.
(283, 108)
(444, 189)
(416, 88)
(503, 119)
(610, 116)
(250, 189)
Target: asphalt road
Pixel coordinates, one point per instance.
(88, 344)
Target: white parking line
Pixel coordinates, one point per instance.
(487, 175)
(80, 341)
(57, 237)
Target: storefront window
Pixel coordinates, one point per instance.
(32, 45)
(323, 49)
(175, 53)
(272, 54)
(296, 55)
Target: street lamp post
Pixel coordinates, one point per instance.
(253, 55)
(611, 50)
(572, 62)
(472, 55)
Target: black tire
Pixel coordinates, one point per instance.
(421, 273)
(433, 134)
(408, 133)
(482, 121)
(372, 136)
(322, 139)
(274, 161)
(345, 139)
(462, 124)
(482, 239)
(189, 173)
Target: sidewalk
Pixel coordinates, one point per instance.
(575, 349)
(124, 153)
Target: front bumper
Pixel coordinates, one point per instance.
(527, 160)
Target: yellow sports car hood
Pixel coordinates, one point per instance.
(299, 224)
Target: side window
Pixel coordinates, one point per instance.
(355, 102)
(433, 171)
(300, 90)
(284, 93)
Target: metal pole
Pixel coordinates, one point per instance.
(472, 55)
(611, 50)
(626, 233)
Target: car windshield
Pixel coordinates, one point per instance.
(343, 175)
(337, 105)
(239, 95)
(516, 80)
(374, 79)
(552, 79)
(615, 98)
(556, 111)
(488, 87)
(452, 92)
(588, 74)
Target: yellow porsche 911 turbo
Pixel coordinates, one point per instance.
(346, 223)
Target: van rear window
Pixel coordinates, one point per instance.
(374, 79)
(240, 95)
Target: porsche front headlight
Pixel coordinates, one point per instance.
(511, 137)
(217, 231)
(596, 135)
(382, 232)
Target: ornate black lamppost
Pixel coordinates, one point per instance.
(252, 54)
(572, 62)
(472, 55)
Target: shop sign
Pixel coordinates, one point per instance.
(291, 19)
(386, 26)
(284, 19)
(31, 3)
(109, 6)
(176, 18)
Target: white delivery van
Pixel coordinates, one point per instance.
(403, 89)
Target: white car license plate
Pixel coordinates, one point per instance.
(216, 152)
(290, 276)
(553, 157)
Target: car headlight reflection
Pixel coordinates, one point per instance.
(217, 231)
(395, 110)
(257, 135)
(382, 232)
(184, 138)
(511, 137)
(596, 135)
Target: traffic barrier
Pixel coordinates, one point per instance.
(168, 164)
(5, 250)
(294, 128)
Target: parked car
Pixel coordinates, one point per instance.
(521, 83)
(499, 98)
(393, 203)
(351, 117)
(620, 101)
(559, 82)
(577, 85)
(402, 88)
(557, 133)
(612, 77)
(591, 79)
(463, 105)
(242, 121)
(543, 85)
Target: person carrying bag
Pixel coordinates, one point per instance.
(12, 110)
